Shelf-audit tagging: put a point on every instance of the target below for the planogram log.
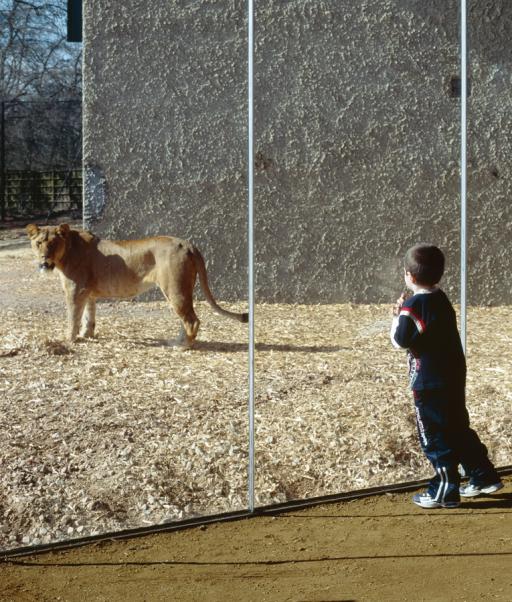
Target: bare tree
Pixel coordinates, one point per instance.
(36, 61)
(40, 90)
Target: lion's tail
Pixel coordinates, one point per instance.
(203, 280)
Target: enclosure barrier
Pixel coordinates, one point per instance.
(252, 510)
(33, 193)
(40, 156)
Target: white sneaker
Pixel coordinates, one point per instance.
(425, 500)
(474, 490)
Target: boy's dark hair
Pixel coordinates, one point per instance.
(425, 262)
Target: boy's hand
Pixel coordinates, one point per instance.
(399, 302)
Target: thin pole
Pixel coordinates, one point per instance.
(463, 172)
(3, 199)
(250, 180)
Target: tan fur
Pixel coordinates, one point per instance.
(92, 268)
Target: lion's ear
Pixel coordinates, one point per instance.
(63, 230)
(32, 230)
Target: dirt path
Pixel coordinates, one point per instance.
(373, 549)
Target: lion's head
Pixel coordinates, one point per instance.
(48, 244)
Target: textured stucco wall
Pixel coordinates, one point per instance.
(357, 139)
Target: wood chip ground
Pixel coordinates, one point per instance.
(124, 431)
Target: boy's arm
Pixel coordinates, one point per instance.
(410, 326)
(392, 332)
(397, 307)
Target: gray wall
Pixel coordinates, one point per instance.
(357, 139)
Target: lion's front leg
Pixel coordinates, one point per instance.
(89, 318)
(75, 301)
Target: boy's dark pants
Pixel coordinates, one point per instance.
(447, 440)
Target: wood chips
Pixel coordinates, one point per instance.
(123, 431)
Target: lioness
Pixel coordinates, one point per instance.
(92, 268)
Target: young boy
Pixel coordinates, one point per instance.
(426, 326)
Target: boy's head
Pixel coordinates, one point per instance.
(425, 264)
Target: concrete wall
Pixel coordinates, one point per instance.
(357, 139)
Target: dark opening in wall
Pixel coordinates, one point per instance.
(455, 88)
(74, 21)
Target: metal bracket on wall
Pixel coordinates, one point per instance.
(95, 193)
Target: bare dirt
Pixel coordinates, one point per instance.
(374, 549)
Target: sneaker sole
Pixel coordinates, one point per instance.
(485, 490)
(430, 505)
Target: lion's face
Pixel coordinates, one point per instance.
(48, 244)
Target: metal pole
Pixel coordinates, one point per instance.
(250, 178)
(463, 172)
(2, 162)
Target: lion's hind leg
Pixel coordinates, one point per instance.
(183, 306)
(177, 283)
(189, 323)
(189, 328)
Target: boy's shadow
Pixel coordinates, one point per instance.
(496, 500)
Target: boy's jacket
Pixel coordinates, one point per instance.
(427, 328)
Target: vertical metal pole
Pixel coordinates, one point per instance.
(250, 180)
(3, 200)
(463, 172)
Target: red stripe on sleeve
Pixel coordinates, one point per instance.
(420, 324)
